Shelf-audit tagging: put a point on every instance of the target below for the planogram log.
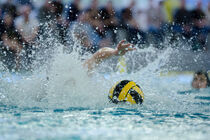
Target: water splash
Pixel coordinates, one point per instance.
(59, 80)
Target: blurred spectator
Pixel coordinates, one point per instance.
(9, 7)
(8, 23)
(82, 29)
(81, 36)
(200, 80)
(57, 7)
(25, 2)
(11, 47)
(112, 20)
(27, 25)
(141, 18)
(107, 15)
(0, 12)
(60, 23)
(127, 19)
(198, 16)
(46, 12)
(182, 15)
(73, 11)
(1, 24)
(207, 13)
(183, 22)
(11, 50)
(199, 31)
(170, 7)
(155, 20)
(131, 28)
(108, 18)
(51, 15)
(155, 16)
(103, 26)
(94, 18)
(163, 12)
(94, 6)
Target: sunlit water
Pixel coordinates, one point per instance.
(61, 101)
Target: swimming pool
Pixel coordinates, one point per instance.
(167, 112)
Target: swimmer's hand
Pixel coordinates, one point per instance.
(123, 47)
(107, 52)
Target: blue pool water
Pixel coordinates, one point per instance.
(64, 102)
(114, 123)
(175, 112)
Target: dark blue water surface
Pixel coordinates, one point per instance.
(170, 110)
(107, 123)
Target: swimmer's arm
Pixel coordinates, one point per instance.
(104, 53)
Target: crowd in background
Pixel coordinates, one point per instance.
(95, 27)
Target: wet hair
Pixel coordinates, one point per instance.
(206, 75)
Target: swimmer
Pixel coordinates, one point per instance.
(200, 80)
(79, 33)
(107, 52)
(123, 91)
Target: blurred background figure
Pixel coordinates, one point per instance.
(51, 18)
(183, 20)
(129, 26)
(94, 18)
(10, 8)
(1, 24)
(170, 7)
(25, 2)
(46, 12)
(110, 23)
(27, 25)
(143, 23)
(155, 16)
(207, 13)
(73, 11)
(83, 40)
(155, 19)
(59, 24)
(199, 30)
(182, 15)
(11, 43)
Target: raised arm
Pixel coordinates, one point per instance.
(104, 53)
